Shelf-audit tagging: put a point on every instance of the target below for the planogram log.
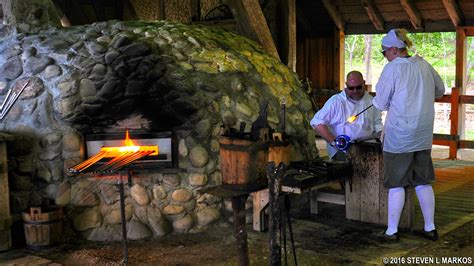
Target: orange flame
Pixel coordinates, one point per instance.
(128, 141)
(128, 146)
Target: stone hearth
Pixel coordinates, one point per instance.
(146, 77)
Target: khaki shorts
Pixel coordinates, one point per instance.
(412, 168)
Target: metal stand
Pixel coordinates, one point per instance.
(275, 175)
(280, 219)
(124, 221)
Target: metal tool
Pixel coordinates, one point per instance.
(354, 117)
(10, 99)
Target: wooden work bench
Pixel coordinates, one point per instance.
(302, 181)
(364, 196)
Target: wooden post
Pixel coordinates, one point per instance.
(338, 60)
(453, 144)
(5, 217)
(238, 208)
(460, 83)
(288, 53)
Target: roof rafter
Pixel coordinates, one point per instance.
(374, 14)
(413, 13)
(334, 13)
(249, 16)
(454, 12)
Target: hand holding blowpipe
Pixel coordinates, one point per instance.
(354, 117)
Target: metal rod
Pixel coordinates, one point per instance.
(124, 222)
(6, 98)
(11, 100)
(124, 161)
(111, 162)
(87, 163)
(290, 228)
(364, 110)
(130, 159)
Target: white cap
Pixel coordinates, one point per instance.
(391, 40)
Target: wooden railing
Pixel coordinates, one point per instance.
(452, 140)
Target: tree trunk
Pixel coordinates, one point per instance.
(350, 49)
(29, 12)
(368, 50)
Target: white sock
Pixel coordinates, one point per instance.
(396, 200)
(426, 199)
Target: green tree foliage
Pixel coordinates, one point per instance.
(438, 48)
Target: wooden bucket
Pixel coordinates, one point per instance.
(279, 154)
(43, 226)
(243, 163)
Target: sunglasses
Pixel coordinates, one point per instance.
(355, 88)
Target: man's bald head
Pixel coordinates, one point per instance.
(355, 85)
(354, 74)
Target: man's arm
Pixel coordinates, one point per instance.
(384, 90)
(324, 132)
(439, 84)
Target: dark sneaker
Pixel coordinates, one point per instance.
(389, 238)
(431, 235)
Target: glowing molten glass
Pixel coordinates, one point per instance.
(351, 119)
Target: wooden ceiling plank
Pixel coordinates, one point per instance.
(454, 12)
(374, 14)
(413, 13)
(334, 13)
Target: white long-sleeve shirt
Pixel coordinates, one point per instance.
(339, 108)
(407, 88)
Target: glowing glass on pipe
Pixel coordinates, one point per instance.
(354, 117)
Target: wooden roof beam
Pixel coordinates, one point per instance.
(454, 12)
(250, 18)
(413, 13)
(374, 14)
(334, 13)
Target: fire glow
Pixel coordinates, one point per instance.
(354, 117)
(121, 156)
(128, 146)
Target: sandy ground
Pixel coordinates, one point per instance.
(318, 240)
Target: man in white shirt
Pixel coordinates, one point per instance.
(407, 89)
(331, 121)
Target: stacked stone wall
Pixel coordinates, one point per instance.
(142, 76)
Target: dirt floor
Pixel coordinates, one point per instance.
(319, 240)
